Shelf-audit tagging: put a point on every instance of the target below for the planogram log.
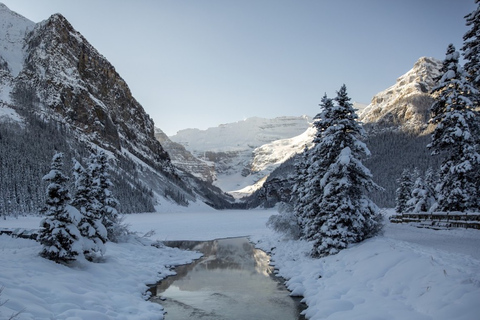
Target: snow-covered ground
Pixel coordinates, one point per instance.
(407, 273)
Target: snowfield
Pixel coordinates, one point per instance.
(407, 273)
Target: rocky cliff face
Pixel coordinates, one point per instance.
(183, 159)
(70, 80)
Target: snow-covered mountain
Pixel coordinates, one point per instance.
(405, 104)
(68, 96)
(397, 125)
(270, 156)
(241, 152)
(241, 135)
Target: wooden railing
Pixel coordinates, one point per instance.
(439, 220)
(20, 233)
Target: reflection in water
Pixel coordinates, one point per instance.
(233, 280)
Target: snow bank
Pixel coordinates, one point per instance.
(112, 289)
(387, 277)
(115, 287)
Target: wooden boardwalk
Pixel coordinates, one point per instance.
(439, 220)
(20, 233)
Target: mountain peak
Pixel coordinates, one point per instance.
(407, 102)
(13, 28)
(5, 11)
(59, 20)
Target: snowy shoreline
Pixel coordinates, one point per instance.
(404, 274)
(407, 273)
(114, 288)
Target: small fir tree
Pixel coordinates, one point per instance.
(59, 234)
(345, 214)
(317, 161)
(454, 137)
(90, 226)
(419, 199)
(404, 191)
(105, 204)
(431, 181)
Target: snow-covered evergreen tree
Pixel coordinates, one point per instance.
(59, 234)
(317, 160)
(90, 226)
(471, 54)
(420, 199)
(431, 180)
(404, 191)
(454, 137)
(298, 189)
(105, 205)
(471, 47)
(345, 214)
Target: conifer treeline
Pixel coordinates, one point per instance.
(26, 151)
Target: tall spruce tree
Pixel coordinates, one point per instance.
(90, 226)
(298, 189)
(471, 54)
(316, 163)
(471, 47)
(345, 214)
(59, 234)
(455, 137)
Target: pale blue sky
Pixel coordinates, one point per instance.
(197, 64)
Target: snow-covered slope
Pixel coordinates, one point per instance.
(270, 156)
(13, 28)
(278, 151)
(407, 273)
(241, 135)
(8, 114)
